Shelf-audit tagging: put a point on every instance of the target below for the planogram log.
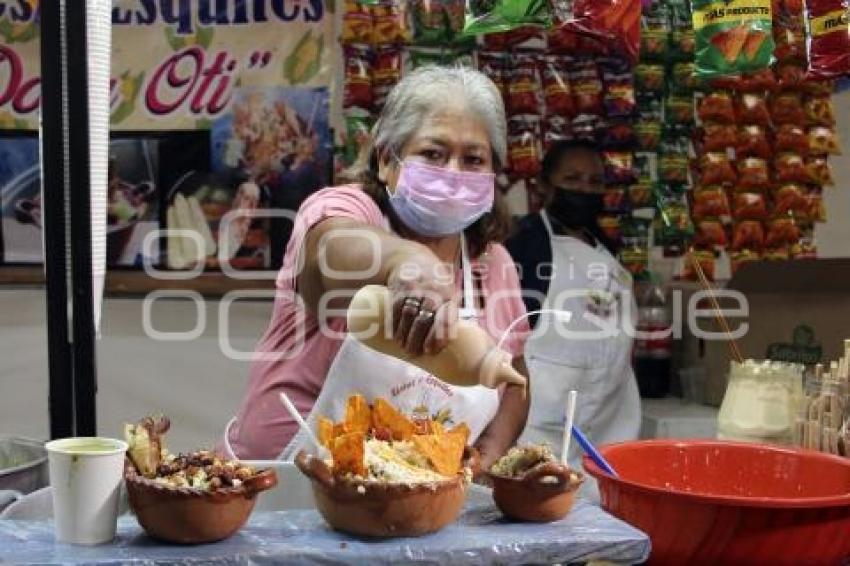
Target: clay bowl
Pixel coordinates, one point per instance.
(192, 516)
(542, 495)
(382, 510)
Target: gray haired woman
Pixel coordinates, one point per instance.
(423, 218)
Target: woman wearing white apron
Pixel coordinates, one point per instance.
(566, 266)
(423, 220)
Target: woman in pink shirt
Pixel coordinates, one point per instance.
(425, 220)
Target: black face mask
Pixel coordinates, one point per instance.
(575, 209)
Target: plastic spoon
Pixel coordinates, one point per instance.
(568, 425)
(323, 452)
(592, 452)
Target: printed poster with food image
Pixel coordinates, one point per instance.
(271, 151)
(20, 199)
(732, 36)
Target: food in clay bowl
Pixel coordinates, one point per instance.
(529, 484)
(388, 475)
(187, 498)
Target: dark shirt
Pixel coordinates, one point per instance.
(531, 250)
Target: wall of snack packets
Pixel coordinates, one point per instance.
(716, 119)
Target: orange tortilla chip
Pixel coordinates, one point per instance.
(348, 453)
(753, 43)
(387, 417)
(443, 451)
(463, 430)
(326, 431)
(358, 415)
(437, 428)
(730, 42)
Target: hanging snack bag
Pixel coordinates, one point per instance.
(749, 206)
(619, 97)
(612, 227)
(357, 131)
(828, 26)
(357, 88)
(732, 37)
(619, 134)
(640, 194)
(649, 79)
(433, 20)
(673, 161)
(711, 202)
(782, 232)
(790, 40)
(790, 199)
(680, 110)
(718, 137)
(587, 88)
(752, 142)
(710, 234)
(792, 138)
(753, 173)
(495, 66)
(524, 85)
(716, 169)
(389, 23)
(523, 148)
(759, 81)
(815, 209)
(819, 111)
(555, 129)
(787, 108)
(648, 133)
(752, 109)
(822, 140)
(614, 200)
(615, 22)
(819, 88)
(790, 75)
(506, 40)
(654, 33)
(748, 235)
(790, 168)
(819, 171)
(717, 107)
(386, 72)
(684, 80)
(682, 40)
(492, 16)
(356, 23)
(674, 220)
(556, 86)
(619, 167)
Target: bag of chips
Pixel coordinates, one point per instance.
(357, 88)
(673, 220)
(749, 206)
(787, 108)
(673, 161)
(748, 235)
(718, 137)
(437, 22)
(732, 37)
(495, 65)
(790, 199)
(615, 22)
(752, 142)
(819, 171)
(819, 111)
(753, 173)
(524, 85)
(389, 23)
(782, 232)
(490, 16)
(356, 23)
(556, 86)
(716, 169)
(587, 88)
(619, 167)
(619, 134)
(654, 33)
(717, 107)
(791, 138)
(711, 202)
(682, 41)
(357, 128)
(523, 146)
(649, 79)
(815, 209)
(752, 109)
(648, 134)
(614, 200)
(680, 109)
(684, 81)
(822, 140)
(386, 72)
(611, 226)
(819, 88)
(526, 35)
(619, 97)
(828, 27)
(640, 194)
(790, 75)
(710, 234)
(790, 168)
(555, 129)
(758, 82)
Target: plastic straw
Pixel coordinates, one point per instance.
(718, 312)
(592, 452)
(568, 425)
(303, 425)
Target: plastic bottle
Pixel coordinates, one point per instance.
(471, 358)
(653, 348)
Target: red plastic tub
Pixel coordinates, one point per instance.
(712, 502)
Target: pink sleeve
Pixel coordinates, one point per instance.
(505, 303)
(347, 201)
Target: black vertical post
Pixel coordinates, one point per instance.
(67, 222)
(83, 340)
(53, 165)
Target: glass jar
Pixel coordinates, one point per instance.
(761, 402)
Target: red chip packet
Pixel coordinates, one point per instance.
(616, 22)
(828, 38)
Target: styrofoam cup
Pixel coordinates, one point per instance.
(85, 474)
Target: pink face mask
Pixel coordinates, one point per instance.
(435, 201)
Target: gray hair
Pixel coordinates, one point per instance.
(424, 91)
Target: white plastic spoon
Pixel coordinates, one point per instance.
(323, 452)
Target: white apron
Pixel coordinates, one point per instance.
(360, 369)
(592, 285)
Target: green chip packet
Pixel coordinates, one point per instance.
(732, 36)
(494, 16)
